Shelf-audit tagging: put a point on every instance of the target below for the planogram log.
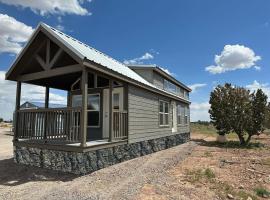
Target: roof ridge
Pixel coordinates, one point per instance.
(86, 45)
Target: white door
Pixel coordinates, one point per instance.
(117, 105)
(174, 117)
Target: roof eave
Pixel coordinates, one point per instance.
(89, 63)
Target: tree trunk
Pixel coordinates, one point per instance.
(241, 139)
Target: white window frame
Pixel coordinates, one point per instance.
(89, 110)
(164, 113)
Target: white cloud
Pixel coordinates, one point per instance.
(29, 93)
(13, 34)
(60, 27)
(233, 57)
(199, 111)
(60, 7)
(196, 86)
(139, 60)
(256, 85)
(257, 68)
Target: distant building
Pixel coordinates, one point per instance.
(38, 105)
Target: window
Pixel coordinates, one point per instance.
(170, 87)
(186, 114)
(163, 113)
(93, 110)
(76, 100)
(186, 95)
(181, 92)
(116, 102)
(179, 115)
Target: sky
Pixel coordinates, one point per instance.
(201, 43)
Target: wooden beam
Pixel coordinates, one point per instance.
(111, 111)
(41, 62)
(83, 124)
(47, 94)
(50, 73)
(55, 58)
(17, 107)
(48, 48)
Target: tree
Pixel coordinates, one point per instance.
(1, 119)
(235, 109)
(266, 122)
(220, 110)
(241, 111)
(257, 118)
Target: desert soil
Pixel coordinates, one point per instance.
(198, 169)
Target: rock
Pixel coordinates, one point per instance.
(265, 196)
(230, 196)
(241, 187)
(249, 198)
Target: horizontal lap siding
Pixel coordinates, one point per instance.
(144, 116)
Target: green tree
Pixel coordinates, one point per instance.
(241, 111)
(266, 122)
(235, 109)
(1, 119)
(258, 111)
(220, 109)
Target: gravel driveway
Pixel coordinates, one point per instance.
(121, 181)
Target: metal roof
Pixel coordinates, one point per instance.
(85, 52)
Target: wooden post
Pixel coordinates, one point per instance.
(111, 112)
(18, 102)
(68, 99)
(47, 94)
(83, 124)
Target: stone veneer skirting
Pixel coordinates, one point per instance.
(87, 162)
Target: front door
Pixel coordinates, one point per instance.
(117, 105)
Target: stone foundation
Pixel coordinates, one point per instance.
(87, 162)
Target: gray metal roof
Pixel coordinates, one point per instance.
(84, 51)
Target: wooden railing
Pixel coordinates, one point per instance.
(60, 124)
(120, 124)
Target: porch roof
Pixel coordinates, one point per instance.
(83, 52)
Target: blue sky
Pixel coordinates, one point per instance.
(181, 36)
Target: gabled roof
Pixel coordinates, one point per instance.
(84, 53)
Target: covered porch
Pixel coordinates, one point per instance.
(96, 113)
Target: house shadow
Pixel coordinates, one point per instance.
(233, 144)
(13, 174)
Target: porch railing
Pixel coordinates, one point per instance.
(120, 124)
(60, 124)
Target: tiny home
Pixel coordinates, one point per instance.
(114, 112)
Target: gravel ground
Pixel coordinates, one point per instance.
(127, 180)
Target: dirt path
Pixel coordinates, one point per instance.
(199, 170)
(121, 181)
